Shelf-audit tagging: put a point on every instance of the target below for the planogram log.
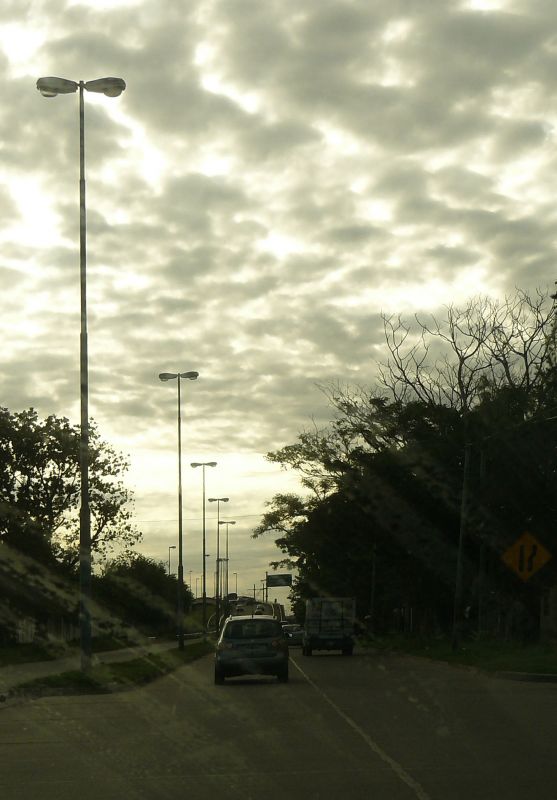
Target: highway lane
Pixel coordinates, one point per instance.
(458, 733)
(369, 726)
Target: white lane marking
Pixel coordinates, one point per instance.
(397, 768)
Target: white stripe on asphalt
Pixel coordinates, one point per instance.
(397, 768)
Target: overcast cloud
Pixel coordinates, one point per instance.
(276, 174)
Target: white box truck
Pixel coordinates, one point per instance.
(329, 625)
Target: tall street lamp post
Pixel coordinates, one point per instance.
(227, 523)
(111, 87)
(218, 501)
(190, 376)
(236, 576)
(172, 547)
(207, 555)
(204, 464)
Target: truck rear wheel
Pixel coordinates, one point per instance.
(307, 651)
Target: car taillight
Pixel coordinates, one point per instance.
(278, 644)
(224, 646)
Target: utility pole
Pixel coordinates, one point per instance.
(481, 571)
(457, 609)
(372, 588)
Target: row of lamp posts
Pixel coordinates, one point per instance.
(113, 87)
(179, 376)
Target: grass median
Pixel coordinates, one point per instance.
(52, 650)
(104, 678)
(489, 655)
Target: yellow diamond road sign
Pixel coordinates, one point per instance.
(526, 556)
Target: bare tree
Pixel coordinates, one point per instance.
(485, 344)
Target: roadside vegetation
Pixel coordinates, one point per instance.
(52, 650)
(105, 678)
(448, 458)
(491, 656)
(133, 596)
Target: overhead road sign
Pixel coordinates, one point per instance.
(282, 579)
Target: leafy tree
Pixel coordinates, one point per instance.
(138, 591)
(385, 477)
(40, 489)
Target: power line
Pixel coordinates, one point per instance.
(192, 519)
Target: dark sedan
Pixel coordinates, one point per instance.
(294, 634)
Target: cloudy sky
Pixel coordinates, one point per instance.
(276, 174)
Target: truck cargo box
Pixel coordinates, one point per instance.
(329, 624)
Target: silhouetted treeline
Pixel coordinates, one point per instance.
(385, 478)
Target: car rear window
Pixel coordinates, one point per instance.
(252, 629)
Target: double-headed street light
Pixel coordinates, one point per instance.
(227, 523)
(111, 87)
(190, 376)
(218, 501)
(204, 464)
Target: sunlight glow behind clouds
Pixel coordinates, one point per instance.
(39, 225)
(139, 150)
(281, 245)
(105, 4)
(207, 60)
(427, 293)
(21, 43)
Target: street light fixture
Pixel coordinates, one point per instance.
(52, 86)
(190, 376)
(172, 547)
(111, 87)
(227, 523)
(204, 464)
(218, 501)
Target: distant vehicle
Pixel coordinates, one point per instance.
(250, 645)
(294, 634)
(329, 625)
(247, 605)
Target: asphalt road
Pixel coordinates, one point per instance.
(387, 728)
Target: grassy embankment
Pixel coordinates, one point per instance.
(492, 656)
(110, 677)
(106, 677)
(52, 650)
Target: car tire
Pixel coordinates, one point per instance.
(283, 675)
(219, 677)
(307, 651)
